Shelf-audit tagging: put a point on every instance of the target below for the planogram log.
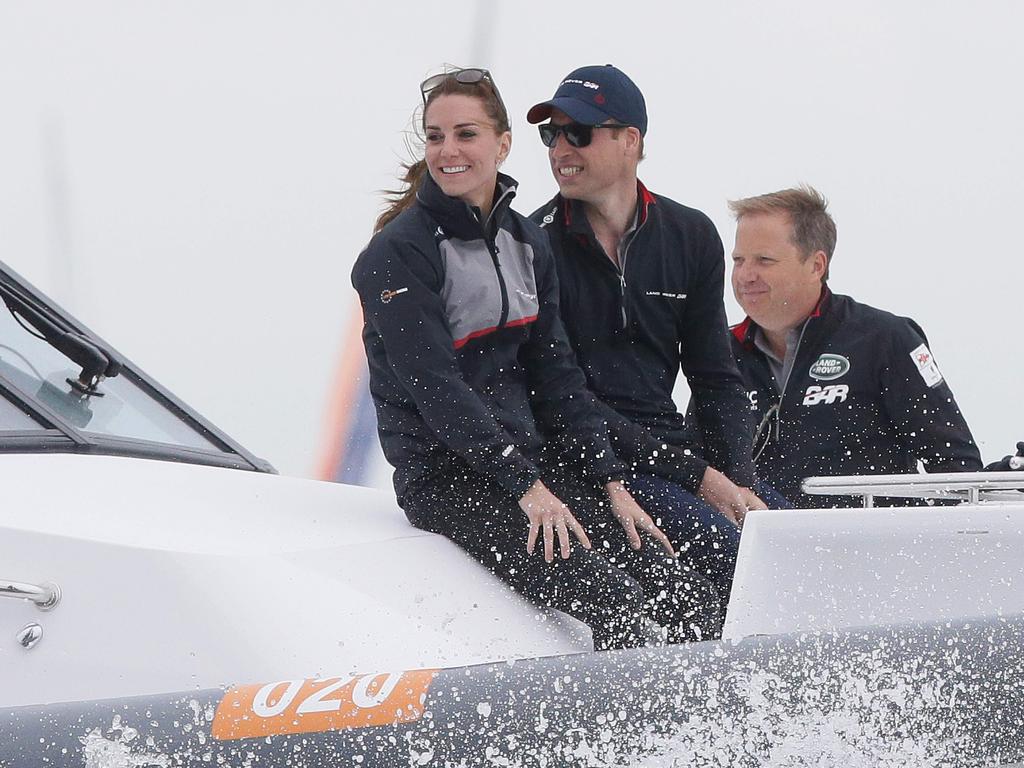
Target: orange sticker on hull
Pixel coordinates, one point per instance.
(322, 704)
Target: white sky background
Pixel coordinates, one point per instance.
(194, 179)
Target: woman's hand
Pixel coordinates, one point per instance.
(547, 512)
(631, 516)
(728, 498)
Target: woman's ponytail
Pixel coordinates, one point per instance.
(400, 199)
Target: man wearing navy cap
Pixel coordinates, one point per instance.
(641, 283)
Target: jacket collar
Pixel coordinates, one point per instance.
(459, 219)
(744, 332)
(575, 218)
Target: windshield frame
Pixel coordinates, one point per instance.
(56, 434)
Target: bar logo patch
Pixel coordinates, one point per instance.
(388, 295)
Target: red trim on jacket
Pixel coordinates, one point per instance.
(646, 200)
(743, 330)
(740, 331)
(460, 343)
(825, 293)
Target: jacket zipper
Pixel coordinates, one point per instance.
(492, 248)
(785, 384)
(621, 268)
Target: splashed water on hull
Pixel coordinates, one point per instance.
(944, 695)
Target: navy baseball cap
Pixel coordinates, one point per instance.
(593, 95)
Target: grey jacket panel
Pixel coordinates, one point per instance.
(516, 259)
(472, 291)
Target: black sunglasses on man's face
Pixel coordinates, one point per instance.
(577, 134)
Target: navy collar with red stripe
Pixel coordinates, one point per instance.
(744, 332)
(575, 218)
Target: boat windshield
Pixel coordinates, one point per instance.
(13, 418)
(64, 389)
(122, 409)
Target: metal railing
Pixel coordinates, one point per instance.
(45, 596)
(971, 487)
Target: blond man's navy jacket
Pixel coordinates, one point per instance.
(865, 396)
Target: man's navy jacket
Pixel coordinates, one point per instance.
(864, 396)
(633, 328)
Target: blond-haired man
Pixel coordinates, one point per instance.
(839, 388)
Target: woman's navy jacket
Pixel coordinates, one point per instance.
(468, 358)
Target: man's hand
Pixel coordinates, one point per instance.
(631, 516)
(547, 512)
(751, 499)
(727, 497)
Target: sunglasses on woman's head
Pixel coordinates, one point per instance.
(470, 76)
(577, 134)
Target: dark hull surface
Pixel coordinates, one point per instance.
(938, 695)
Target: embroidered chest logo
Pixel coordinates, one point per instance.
(667, 295)
(828, 367)
(833, 393)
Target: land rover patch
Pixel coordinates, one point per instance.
(926, 366)
(828, 367)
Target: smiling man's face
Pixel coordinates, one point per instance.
(587, 173)
(773, 280)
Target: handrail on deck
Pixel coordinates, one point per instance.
(45, 596)
(971, 487)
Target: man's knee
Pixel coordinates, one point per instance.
(618, 614)
(682, 600)
(695, 611)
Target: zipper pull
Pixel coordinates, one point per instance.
(622, 290)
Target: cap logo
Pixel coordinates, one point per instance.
(599, 99)
(584, 83)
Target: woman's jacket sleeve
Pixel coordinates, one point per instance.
(399, 288)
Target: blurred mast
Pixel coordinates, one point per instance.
(55, 175)
(482, 42)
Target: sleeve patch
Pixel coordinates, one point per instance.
(926, 366)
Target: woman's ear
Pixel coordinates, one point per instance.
(504, 147)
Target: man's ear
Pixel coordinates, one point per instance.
(632, 138)
(819, 264)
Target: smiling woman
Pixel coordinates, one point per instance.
(469, 124)
(464, 149)
(480, 407)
